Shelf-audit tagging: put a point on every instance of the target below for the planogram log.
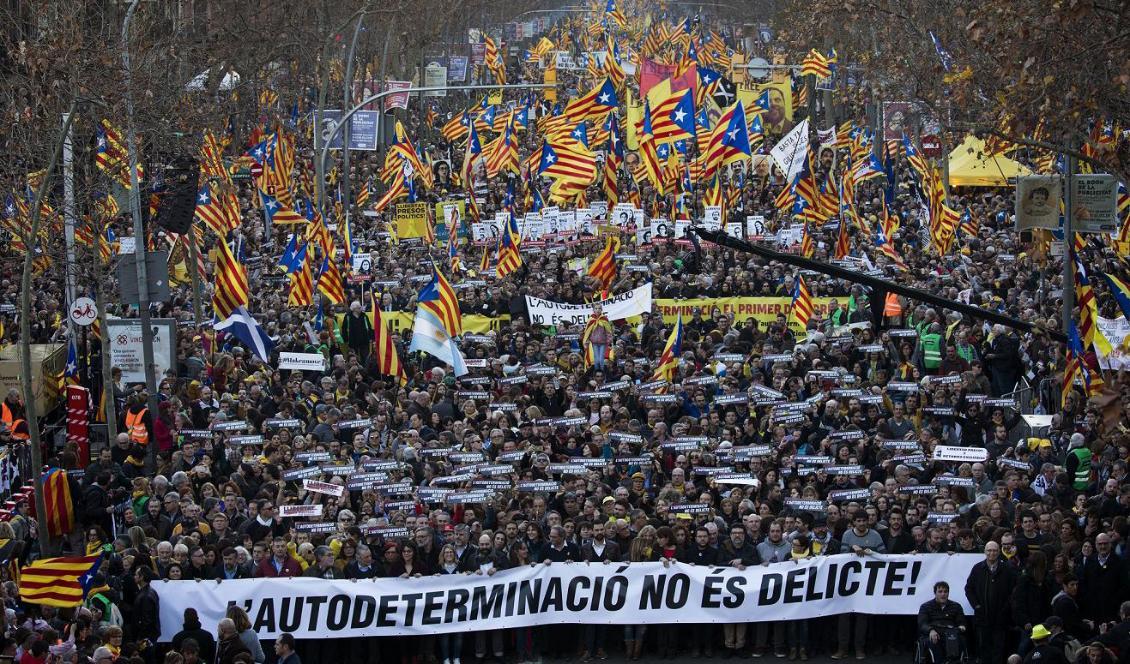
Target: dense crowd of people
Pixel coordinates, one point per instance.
(1047, 508)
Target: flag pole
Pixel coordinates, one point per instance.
(1068, 245)
(347, 188)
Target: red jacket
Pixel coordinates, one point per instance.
(267, 568)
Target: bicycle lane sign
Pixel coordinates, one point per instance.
(83, 311)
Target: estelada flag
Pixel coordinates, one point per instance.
(57, 498)
(62, 582)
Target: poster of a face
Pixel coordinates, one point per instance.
(441, 170)
(761, 166)
(899, 118)
(1037, 202)
(780, 108)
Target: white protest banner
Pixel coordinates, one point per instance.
(617, 307)
(623, 214)
(126, 347)
(636, 594)
(481, 231)
(755, 225)
(790, 235)
(302, 361)
(954, 453)
(790, 151)
(1115, 330)
(362, 263)
(712, 218)
(126, 245)
(328, 488)
(584, 220)
(300, 511)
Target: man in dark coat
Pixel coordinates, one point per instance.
(1103, 582)
(97, 506)
(357, 331)
(989, 590)
(700, 552)
(1065, 606)
(146, 608)
(940, 622)
(192, 630)
(1003, 360)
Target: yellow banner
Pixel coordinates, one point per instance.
(551, 79)
(780, 105)
(411, 220)
(449, 214)
(634, 116)
(764, 309)
(401, 321)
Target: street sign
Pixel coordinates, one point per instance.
(758, 68)
(256, 170)
(362, 130)
(931, 146)
(83, 311)
(156, 266)
(435, 76)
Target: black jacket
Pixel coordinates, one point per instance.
(147, 615)
(932, 615)
(227, 650)
(95, 500)
(747, 554)
(1067, 609)
(990, 593)
(203, 638)
(1032, 602)
(611, 552)
(707, 555)
(354, 571)
(1102, 587)
(569, 552)
(1047, 653)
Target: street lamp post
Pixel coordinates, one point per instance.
(139, 240)
(328, 138)
(348, 96)
(566, 9)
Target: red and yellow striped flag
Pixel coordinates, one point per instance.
(816, 64)
(603, 267)
(388, 360)
(231, 283)
(802, 308)
(330, 283)
(301, 286)
(61, 582)
(57, 497)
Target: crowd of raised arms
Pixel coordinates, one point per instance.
(694, 433)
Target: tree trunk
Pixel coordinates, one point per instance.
(46, 546)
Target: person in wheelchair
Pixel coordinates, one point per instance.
(941, 627)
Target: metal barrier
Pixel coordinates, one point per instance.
(1023, 395)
